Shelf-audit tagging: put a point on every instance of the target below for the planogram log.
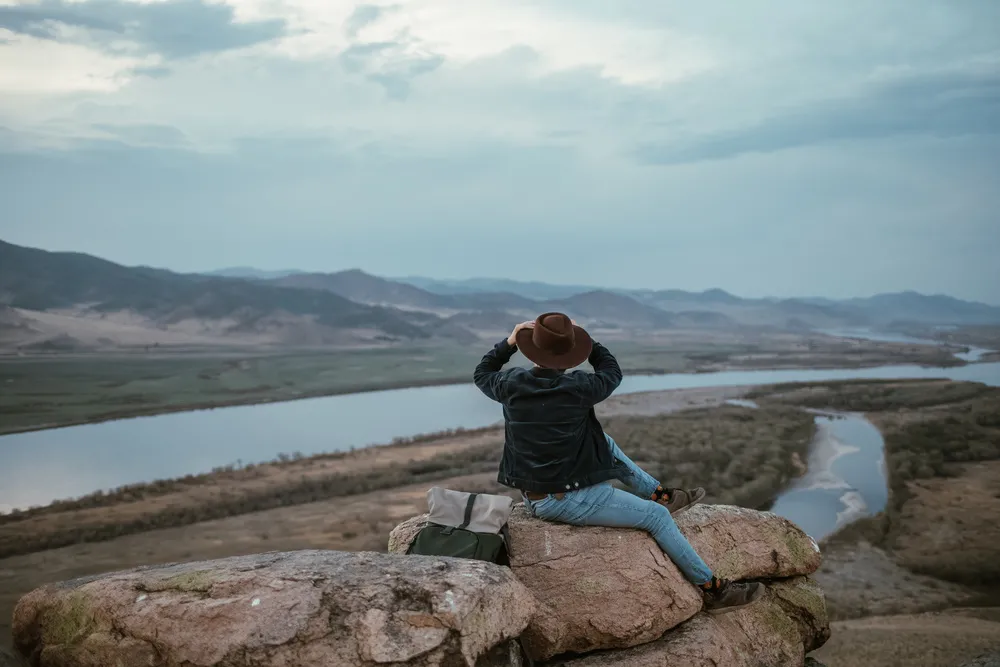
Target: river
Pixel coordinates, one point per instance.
(39, 467)
(845, 478)
(973, 354)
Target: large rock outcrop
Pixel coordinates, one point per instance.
(777, 630)
(603, 588)
(281, 610)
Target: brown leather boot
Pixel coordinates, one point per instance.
(678, 500)
(724, 596)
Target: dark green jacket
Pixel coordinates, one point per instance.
(553, 440)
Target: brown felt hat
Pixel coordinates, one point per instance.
(555, 342)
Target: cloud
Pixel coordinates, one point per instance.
(173, 29)
(947, 102)
(392, 65)
(362, 16)
(397, 136)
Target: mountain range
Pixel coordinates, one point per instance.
(59, 300)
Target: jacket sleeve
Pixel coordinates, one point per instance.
(606, 377)
(488, 376)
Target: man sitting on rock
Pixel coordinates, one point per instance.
(557, 454)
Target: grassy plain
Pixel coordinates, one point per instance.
(59, 390)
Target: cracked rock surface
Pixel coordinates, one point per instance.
(281, 610)
(605, 588)
(776, 631)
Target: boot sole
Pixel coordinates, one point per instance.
(758, 594)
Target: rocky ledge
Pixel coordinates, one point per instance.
(293, 609)
(605, 588)
(573, 597)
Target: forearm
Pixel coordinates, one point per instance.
(487, 373)
(498, 355)
(605, 364)
(606, 377)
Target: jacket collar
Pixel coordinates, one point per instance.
(546, 372)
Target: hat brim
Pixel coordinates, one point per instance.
(579, 353)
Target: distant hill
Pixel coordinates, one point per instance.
(881, 310)
(250, 272)
(916, 308)
(675, 299)
(356, 285)
(703, 319)
(64, 301)
(83, 286)
(605, 308)
(534, 290)
(486, 320)
(362, 287)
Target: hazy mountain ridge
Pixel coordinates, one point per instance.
(67, 300)
(252, 273)
(363, 287)
(712, 308)
(82, 286)
(877, 310)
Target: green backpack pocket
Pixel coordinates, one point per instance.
(436, 539)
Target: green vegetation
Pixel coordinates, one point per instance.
(743, 456)
(71, 622)
(48, 391)
(199, 581)
(740, 455)
(42, 392)
(871, 395)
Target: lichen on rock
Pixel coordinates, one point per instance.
(605, 588)
(296, 608)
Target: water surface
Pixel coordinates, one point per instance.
(39, 467)
(974, 354)
(846, 477)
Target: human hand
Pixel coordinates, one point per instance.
(512, 338)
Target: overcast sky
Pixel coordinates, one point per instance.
(768, 147)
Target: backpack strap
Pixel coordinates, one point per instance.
(468, 511)
(505, 534)
(528, 661)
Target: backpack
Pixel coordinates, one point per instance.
(465, 525)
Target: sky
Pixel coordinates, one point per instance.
(767, 147)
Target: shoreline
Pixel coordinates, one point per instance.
(649, 403)
(138, 413)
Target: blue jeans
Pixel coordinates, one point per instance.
(604, 505)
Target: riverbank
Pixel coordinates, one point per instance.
(292, 480)
(50, 392)
(742, 455)
(919, 584)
